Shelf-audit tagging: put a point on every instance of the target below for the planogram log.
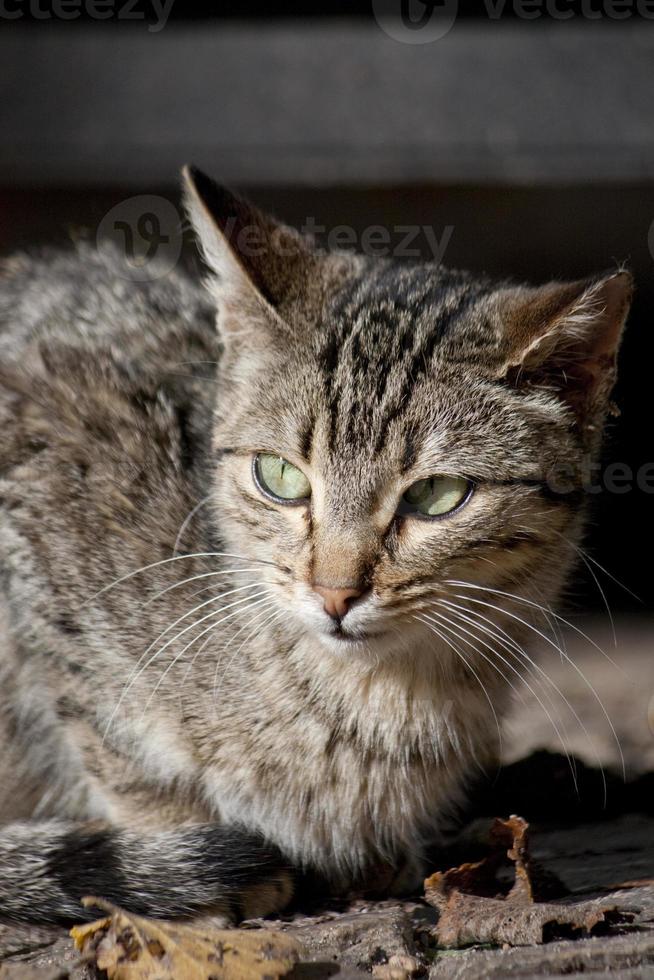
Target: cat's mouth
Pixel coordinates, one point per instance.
(343, 635)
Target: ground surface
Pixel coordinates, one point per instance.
(603, 852)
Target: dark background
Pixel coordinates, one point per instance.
(532, 139)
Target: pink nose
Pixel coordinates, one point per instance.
(336, 601)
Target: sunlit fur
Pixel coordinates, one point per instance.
(165, 659)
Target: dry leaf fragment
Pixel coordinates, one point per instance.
(511, 835)
(130, 947)
(469, 919)
(477, 907)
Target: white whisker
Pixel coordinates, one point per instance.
(606, 572)
(187, 520)
(268, 602)
(522, 657)
(167, 561)
(536, 605)
(456, 629)
(468, 665)
(195, 609)
(567, 659)
(138, 669)
(272, 617)
(194, 578)
(188, 646)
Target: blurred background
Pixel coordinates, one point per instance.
(512, 138)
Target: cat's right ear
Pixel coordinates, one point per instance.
(260, 266)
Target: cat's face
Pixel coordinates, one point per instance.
(374, 447)
(372, 415)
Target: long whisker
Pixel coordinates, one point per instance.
(456, 630)
(166, 561)
(468, 665)
(528, 660)
(503, 637)
(536, 605)
(194, 578)
(567, 659)
(521, 656)
(208, 629)
(606, 572)
(272, 617)
(188, 646)
(193, 611)
(580, 552)
(268, 602)
(138, 669)
(187, 520)
(508, 642)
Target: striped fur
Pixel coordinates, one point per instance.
(179, 727)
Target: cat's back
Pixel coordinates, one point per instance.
(90, 300)
(106, 398)
(85, 348)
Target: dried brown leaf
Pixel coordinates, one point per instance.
(471, 919)
(130, 947)
(476, 907)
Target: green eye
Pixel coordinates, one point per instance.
(435, 496)
(278, 478)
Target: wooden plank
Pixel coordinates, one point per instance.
(326, 102)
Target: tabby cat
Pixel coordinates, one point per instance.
(266, 584)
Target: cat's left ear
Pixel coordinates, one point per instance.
(565, 337)
(260, 266)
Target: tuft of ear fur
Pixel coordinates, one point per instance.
(260, 267)
(566, 337)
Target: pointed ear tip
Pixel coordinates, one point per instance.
(192, 175)
(619, 277)
(621, 284)
(214, 195)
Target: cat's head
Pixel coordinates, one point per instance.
(385, 430)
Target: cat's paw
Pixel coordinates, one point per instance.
(272, 895)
